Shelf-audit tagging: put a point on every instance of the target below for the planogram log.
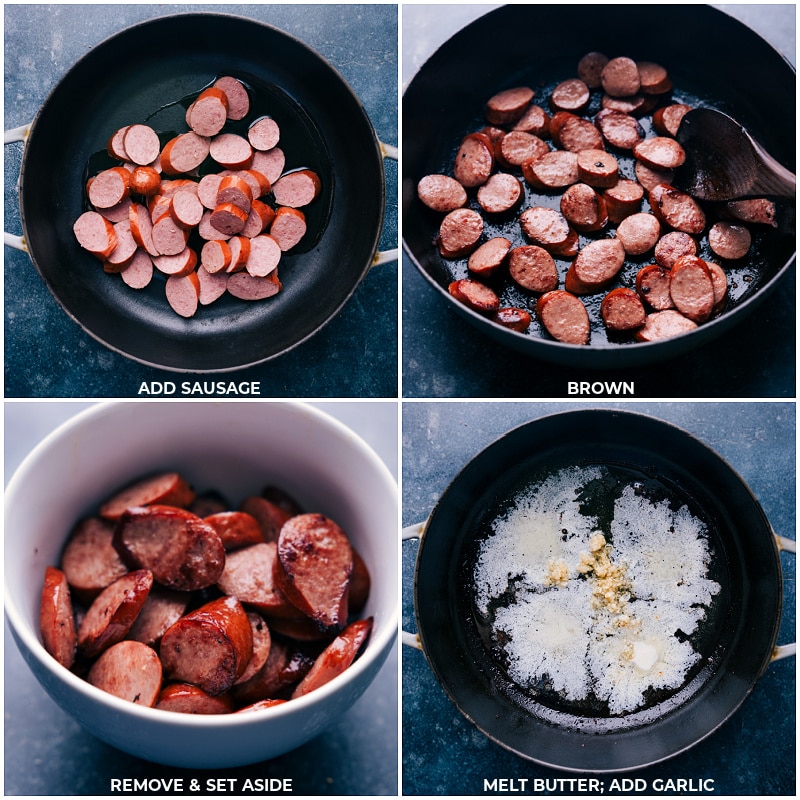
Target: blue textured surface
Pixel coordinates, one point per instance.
(47, 355)
(753, 753)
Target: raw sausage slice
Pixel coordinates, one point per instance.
(238, 98)
(166, 488)
(187, 699)
(186, 209)
(297, 189)
(130, 670)
(509, 105)
(622, 310)
(258, 220)
(336, 657)
(264, 133)
(209, 647)
(141, 226)
(207, 189)
(533, 268)
(231, 150)
(313, 568)
(564, 317)
(113, 612)
(56, 620)
(183, 294)
(179, 265)
(212, 287)
(691, 288)
(216, 256)
(459, 233)
(288, 227)
(229, 219)
(474, 295)
(89, 560)
(489, 257)
(144, 180)
(125, 250)
(168, 238)
(729, 241)
(245, 286)
(207, 115)
(664, 325)
(441, 193)
(141, 144)
(265, 254)
(109, 187)
(184, 153)
(181, 550)
(269, 163)
(139, 273)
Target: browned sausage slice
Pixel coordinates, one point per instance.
(622, 310)
(235, 529)
(664, 325)
(595, 266)
(638, 233)
(336, 657)
(474, 295)
(590, 68)
(759, 210)
(313, 568)
(667, 119)
(459, 233)
(660, 152)
(282, 499)
(209, 647)
(653, 78)
(620, 77)
(671, 246)
(597, 168)
(162, 609)
(130, 670)
(474, 160)
(637, 105)
(546, 227)
(516, 319)
(188, 699)
(181, 550)
(535, 120)
(516, 147)
(56, 620)
(360, 581)
(573, 133)
(553, 170)
(691, 288)
(489, 257)
(262, 644)
(650, 177)
(500, 194)
(113, 612)
(441, 193)
(285, 666)
(269, 516)
(729, 241)
(570, 95)
(720, 281)
(619, 130)
(652, 284)
(676, 209)
(89, 560)
(564, 317)
(623, 199)
(167, 488)
(583, 208)
(509, 105)
(533, 268)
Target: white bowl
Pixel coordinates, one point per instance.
(237, 448)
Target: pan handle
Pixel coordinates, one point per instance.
(19, 134)
(785, 650)
(386, 256)
(412, 532)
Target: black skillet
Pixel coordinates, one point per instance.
(713, 59)
(736, 641)
(149, 73)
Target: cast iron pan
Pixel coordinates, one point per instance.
(735, 641)
(713, 60)
(152, 71)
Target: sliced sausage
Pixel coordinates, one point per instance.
(229, 219)
(240, 253)
(126, 247)
(89, 560)
(166, 488)
(533, 268)
(207, 115)
(297, 189)
(570, 95)
(553, 170)
(141, 144)
(113, 612)
(139, 273)
(564, 317)
(620, 77)
(597, 168)
(231, 150)
(638, 233)
(235, 529)
(500, 194)
(637, 105)
(56, 620)
(259, 184)
(590, 69)
(671, 246)
(720, 281)
(245, 286)
(759, 210)
(535, 120)
(186, 209)
(144, 180)
(574, 134)
(441, 193)
(459, 233)
(595, 266)
(209, 502)
(130, 670)
(653, 78)
(517, 319)
(116, 144)
(179, 265)
(264, 257)
(623, 199)
(516, 147)
(141, 226)
(664, 325)
(182, 551)
(489, 257)
(209, 647)
(474, 295)
(313, 568)
(660, 152)
(282, 499)
(652, 285)
(258, 220)
(109, 187)
(185, 153)
(185, 698)
(207, 189)
(183, 294)
(168, 238)
(269, 516)
(286, 665)
(549, 229)
(162, 609)
(474, 160)
(212, 286)
(729, 241)
(269, 163)
(262, 643)
(676, 209)
(509, 105)
(650, 177)
(264, 133)
(583, 208)
(622, 310)
(691, 288)
(336, 657)
(620, 130)
(667, 119)
(216, 256)
(118, 212)
(238, 98)
(288, 227)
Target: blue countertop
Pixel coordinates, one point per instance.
(48, 753)
(445, 356)
(751, 754)
(47, 355)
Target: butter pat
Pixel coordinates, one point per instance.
(644, 655)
